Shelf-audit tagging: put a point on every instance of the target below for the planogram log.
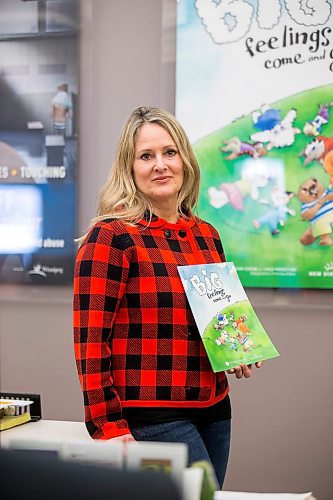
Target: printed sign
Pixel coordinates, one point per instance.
(254, 92)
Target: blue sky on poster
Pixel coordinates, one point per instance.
(219, 82)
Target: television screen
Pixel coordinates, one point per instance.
(38, 141)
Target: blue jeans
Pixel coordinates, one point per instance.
(209, 442)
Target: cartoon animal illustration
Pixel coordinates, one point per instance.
(244, 340)
(222, 318)
(281, 135)
(317, 208)
(233, 343)
(239, 323)
(222, 321)
(328, 165)
(239, 148)
(266, 118)
(234, 193)
(313, 127)
(317, 149)
(277, 212)
(223, 338)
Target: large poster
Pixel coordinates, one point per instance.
(254, 92)
(38, 140)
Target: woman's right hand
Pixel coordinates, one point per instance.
(244, 370)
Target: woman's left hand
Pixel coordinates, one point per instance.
(125, 438)
(244, 370)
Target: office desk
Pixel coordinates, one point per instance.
(46, 430)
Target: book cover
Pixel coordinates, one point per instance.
(229, 327)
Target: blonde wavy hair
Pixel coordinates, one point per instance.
(119, 197)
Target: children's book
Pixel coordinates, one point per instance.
(229, 327)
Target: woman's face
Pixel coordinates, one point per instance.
(158, 168)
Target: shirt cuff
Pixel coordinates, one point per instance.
(112, 429)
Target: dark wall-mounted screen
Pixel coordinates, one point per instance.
(39, 46)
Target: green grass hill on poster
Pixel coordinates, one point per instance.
(247, 246)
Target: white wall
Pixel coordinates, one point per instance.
(121, 69)
(282, 425)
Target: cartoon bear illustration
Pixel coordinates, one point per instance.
(317, 208)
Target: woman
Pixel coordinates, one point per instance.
(141, 362)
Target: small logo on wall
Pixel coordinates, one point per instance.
(39, 270)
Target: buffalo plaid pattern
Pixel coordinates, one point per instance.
(136, 341)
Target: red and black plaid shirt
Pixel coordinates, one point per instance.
(136, 342)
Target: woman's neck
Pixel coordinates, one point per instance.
(169, 215)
